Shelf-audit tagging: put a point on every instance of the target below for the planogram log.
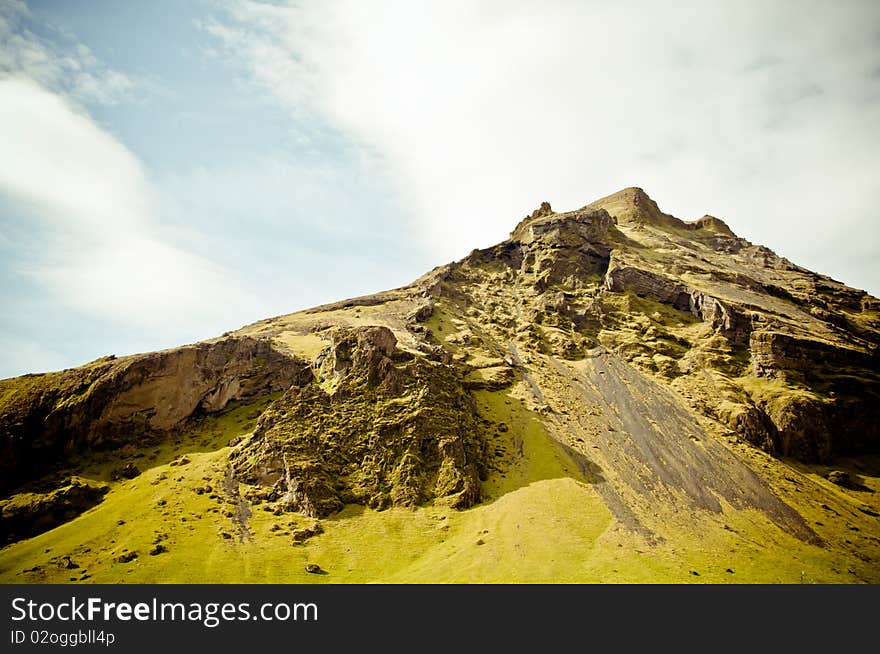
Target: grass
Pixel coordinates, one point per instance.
(542, 520)
(359, 545)
(212, 434)
(441, 324)
(306, 346)
(776, 393)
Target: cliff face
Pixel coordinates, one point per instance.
(46, 418)
(638, 340)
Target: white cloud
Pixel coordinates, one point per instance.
(56, 156)
(762, 113)
(100, 252)
(63, 65)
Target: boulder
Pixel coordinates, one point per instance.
(127, 557)
(422, 312)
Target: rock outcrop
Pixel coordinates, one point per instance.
(27, 514)
(375, 426)
(784, 356)
(834, 404)
(722, 316)
(621, 278)
(712, 224)
(793, 354)
(45, 418)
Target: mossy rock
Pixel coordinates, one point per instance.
(26, 514)
(386, 433)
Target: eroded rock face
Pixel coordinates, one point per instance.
(368, 348)
(168, 387)
(779, 355)
(368, 429)
(712, 224)
(46, 417)
(730, 321)
(784, 357)
(620, 278)
(573, 229)
(813, 426)
(559, 248)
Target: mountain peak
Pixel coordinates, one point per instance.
(632, 206)
(634, 194)
(629, 207)
(544, 219)
(544, 210)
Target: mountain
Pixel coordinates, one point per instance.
(610, 394)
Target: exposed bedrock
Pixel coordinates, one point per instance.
(731, 322)
(44, 418)
(376, 426)
(558, 248)
(838, 411)
(784, 356)
(28, 514)
(621, 278)
(811, 428)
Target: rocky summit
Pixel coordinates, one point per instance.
(610, 394)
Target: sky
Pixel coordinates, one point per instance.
(172, 170)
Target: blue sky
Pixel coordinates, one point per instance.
(172, 170)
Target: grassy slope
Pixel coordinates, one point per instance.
(360, 545)
(541, 522)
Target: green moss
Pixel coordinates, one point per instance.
(776, 391)
(441, 325)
